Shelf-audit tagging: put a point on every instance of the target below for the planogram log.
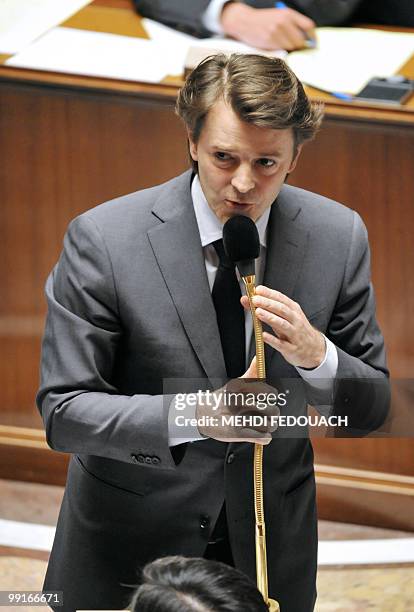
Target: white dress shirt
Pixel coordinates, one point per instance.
(211, 18)
(211, 229)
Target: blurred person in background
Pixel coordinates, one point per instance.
(266, 24)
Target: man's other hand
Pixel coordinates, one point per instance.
(234, 404)
(267, 28)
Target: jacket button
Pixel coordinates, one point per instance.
(230, 458)
(141, 458)
(156, 460)
(134, 458)
(148, 459)
(204, 522)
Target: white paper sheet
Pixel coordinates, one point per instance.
(22, 21)
(346, 58)
(177, 44)
(94, 54)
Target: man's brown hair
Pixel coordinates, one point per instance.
(261, 90)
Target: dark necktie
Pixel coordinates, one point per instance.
(230, 313)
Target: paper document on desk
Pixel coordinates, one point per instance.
(22, 21)
(346, 58)
(94, 54)
(176, 45)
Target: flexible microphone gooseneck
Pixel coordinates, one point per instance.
(242, 246)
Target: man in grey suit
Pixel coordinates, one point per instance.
(267, 24)
(132, 326)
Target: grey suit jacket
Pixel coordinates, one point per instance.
(186, 14)
(130, 308)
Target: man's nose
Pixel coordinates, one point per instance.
(243, 180)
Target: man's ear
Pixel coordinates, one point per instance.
(192, 146)
(296, 155)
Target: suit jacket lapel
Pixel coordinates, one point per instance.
(286, 245)
(286, 248)
(177, 248)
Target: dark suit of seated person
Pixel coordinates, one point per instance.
(259, 24)
(179, 584)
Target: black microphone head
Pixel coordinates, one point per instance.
(241, 243)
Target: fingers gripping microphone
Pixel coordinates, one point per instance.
(242, 245)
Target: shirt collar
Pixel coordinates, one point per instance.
(209, 226)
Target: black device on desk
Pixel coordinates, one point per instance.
(387, 90)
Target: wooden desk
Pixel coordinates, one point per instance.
(71, 142)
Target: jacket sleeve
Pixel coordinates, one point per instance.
(82, 410)
(326, 12)
(180, 14)
(323, 12)
(361, 391)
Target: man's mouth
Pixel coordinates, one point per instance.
(237, 204)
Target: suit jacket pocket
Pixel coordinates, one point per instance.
(98, 508)
(115, 475)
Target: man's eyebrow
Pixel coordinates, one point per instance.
(275, 153)
(224, 147)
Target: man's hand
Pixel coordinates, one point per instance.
(267, 28)
(251, 400)
(300, 344)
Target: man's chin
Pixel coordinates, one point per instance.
(225, 217)
(236, 210)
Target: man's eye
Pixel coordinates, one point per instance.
(266, 163)
(222, 156)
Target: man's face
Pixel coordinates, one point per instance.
(241, 167)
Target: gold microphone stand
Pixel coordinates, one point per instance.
(261, 559)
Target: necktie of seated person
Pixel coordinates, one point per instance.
(230, 313)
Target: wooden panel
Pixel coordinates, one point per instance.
(66, 153)
(365, 508)
(361, 497)
(19, 376)
(393, 456)
(33, 464)
(370, 168)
